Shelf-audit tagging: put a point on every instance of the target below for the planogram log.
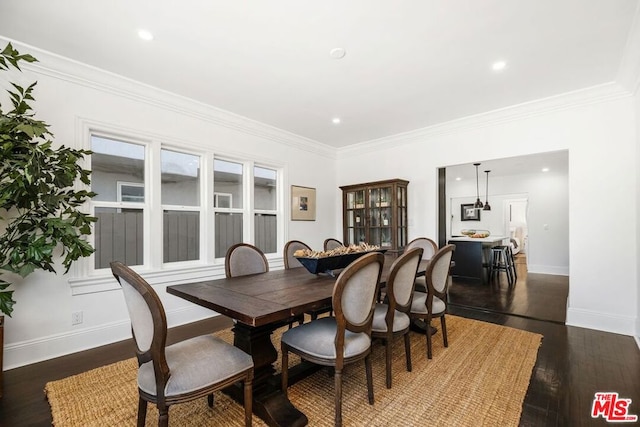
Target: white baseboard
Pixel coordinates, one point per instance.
(625, 325)
(548, 269)
(33, 351)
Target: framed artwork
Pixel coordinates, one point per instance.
(303, 203)
(469, 213)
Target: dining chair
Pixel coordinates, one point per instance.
(290, 248)
(290, 262)
(344, 338)
(391, 319)
(331, 243)
(433, 303)
(429, 248)
(243, 259)
(183, 371)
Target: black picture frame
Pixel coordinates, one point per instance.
(469, 213)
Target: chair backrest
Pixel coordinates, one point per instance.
(429, 247)
(243, 259)
(331, 243)
(289, 249)
(354, 294)
(402, 280)
(437, 274)
(148, 320)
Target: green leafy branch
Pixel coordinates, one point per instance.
(38, 203)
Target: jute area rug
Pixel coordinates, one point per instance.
(480, 379)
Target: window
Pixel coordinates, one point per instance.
(222, 200)
(118, 178)
(180, 185)
(265, 208)
(130, 192)
(187, 208)
(228, 178)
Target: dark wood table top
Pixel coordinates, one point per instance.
(261, 299)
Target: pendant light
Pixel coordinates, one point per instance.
(478, 204)
(486, 204)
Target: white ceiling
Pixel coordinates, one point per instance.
(409, 64)
(555, 161)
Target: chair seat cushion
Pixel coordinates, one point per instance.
(400, 319)
(196, 363)
(419, 304)
(317, 339)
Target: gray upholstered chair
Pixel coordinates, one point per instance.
(433, 303)
(346, 337)
(391, 319)
(331, 243)
(243, 259)
(180, 372)
(429, 248)
(290, 248)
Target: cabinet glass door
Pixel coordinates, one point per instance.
(355, 217)
(380, 217)
(402, 217)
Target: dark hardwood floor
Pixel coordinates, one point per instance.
(573, 363)
(536, 296)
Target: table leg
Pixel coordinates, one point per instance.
(269, 403)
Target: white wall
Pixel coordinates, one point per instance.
(597, 128)
(637, 111)
(68, 95)
(547, 215)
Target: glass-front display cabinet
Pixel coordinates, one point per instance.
(376, 213)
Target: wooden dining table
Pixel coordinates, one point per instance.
(261, 303)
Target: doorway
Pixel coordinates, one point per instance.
(515, 224)
(523, 197)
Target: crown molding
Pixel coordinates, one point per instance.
(592, 95)
(72, 71)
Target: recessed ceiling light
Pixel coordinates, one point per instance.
(458, 178)
(499, 65)
(145, 35)
(336, 120)
(337, 53)
(545, 169)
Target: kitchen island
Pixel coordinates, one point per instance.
(473, 255)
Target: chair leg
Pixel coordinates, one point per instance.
(428, 334)
(407, 350)
(142, 411)
(338, 396)
(387, 351)
(443, 324)
(248, 400)
(367, 365)
(284, 375)
(210, 400)
(163, 416)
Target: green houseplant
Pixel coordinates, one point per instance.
(40, 217)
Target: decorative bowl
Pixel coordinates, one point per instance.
(478, 234)
(330, 263)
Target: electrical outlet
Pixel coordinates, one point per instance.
(76, 318)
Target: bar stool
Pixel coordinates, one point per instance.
(501, 260)
(513, 263)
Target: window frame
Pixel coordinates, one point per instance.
(86, 279)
